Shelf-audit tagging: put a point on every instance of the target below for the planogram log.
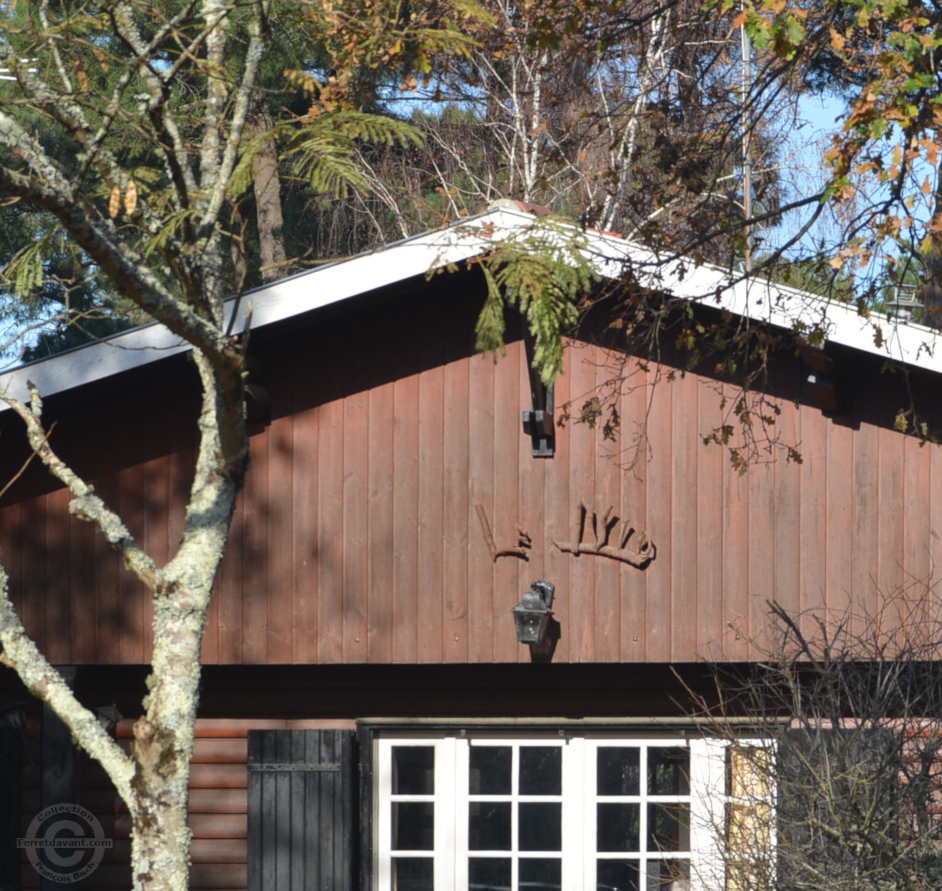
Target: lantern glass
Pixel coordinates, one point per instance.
(15, 715)
(531, 624)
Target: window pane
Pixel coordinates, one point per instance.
(540, 875)
(489, 826)
(618, 771)
(489, 874)
(750, 772)
(668, 771)
(668, 827)
(541, 770)
(413, 770)
(668, 875)
(617, 875)
(540, 826)
(490, 770)
(619, 827)
(413, 826)
(413, 874)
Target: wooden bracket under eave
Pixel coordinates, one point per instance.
(821, 383)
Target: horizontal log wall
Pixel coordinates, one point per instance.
(218, 808)
(359, 536)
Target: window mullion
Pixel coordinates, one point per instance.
(578, 868)
(643, 818)
(455, 838)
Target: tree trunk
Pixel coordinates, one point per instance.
(268, 211)
(163, 747)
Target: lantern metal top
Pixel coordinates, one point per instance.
(532, 614)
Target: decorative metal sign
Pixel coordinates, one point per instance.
(592, 537)
(524, 542)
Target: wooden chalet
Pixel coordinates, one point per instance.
(370, 719)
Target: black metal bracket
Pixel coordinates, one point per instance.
(538, 423)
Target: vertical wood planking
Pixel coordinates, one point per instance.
(760, 482)
(378, 554)
(546, 516)
(326, 545)
(608, 573)
(182, 442)
(866, 529)
(229, 587)
(857, 517)
(406, 643)
(156, 508)
(659, 522)
(284, 610)
(356, 455)
(329, 543)
(711, 615)
(456, 512)
(736, 521)
(255, 555)
(84, 589)
(935, 509)
(914, 557)
(840, 520)
(481, 574)
(814, 490)
(57, 589)
(430, 530)
(684, 530)
(131, 592)
(305, 463)
(633, 465)
(301, 810)
(889, 538)
(511, 458)
(582, 442)
(108, 567)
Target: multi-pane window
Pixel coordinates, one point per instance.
(642, 816)
(485, 813)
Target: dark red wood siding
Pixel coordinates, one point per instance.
(358, 538)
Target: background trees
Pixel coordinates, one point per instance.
(845, 790)
(129, 134)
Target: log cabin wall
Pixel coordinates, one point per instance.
(360, 535)
(217, 815)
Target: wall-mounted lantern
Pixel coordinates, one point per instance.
(533, 613)
(14, 715)
(108, 716)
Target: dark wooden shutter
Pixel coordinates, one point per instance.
(9, 807)
(302, 810)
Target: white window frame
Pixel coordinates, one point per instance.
(708, 802)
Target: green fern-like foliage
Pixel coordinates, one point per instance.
(543, 273)
(324, 148)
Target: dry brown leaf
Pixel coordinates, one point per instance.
(130, 197)
(114, 204)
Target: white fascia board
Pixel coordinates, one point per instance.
(798, 311)
(334, 283)
(778, 305)
(302, 293)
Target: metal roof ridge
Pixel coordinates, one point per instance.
(341, 280)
